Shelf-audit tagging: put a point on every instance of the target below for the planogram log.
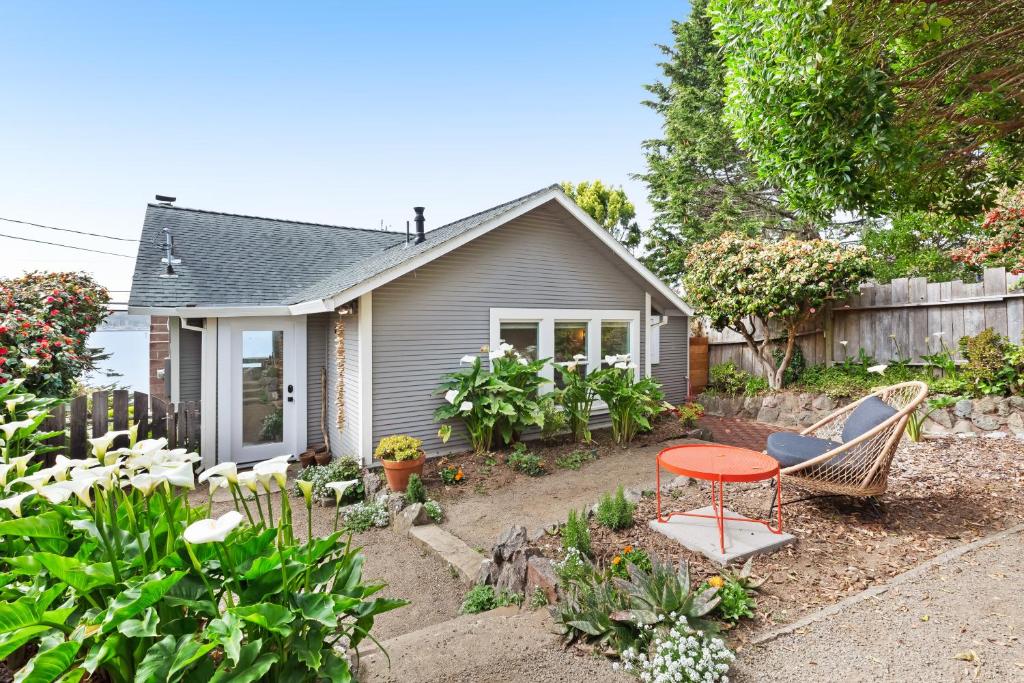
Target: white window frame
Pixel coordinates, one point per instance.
(546, 318)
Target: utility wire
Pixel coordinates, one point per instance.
(77, 232)
(66, 246)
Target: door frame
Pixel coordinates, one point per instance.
(295, 357)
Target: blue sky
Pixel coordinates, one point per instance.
(333, 112)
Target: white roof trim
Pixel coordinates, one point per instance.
(368, 285)
(210, 311)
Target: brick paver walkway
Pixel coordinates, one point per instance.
(742, 433)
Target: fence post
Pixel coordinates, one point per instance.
(77, 428)
(829, 324)
(159, 428)
(99, 414)
(120, 416)
(140, 401)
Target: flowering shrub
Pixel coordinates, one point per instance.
(689, 413)
(503, 400)
(632, 402)
(363, 516)
(434, 511)
(45, 320)
(451, 474)
(109, 572)
(338, 470)
(751, 286)
(630, 556)
(680, 654)
(1002, 241)
(399, 448)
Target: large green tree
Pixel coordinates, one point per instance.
(917, 244)
(609, 206)
(700, 183)
(875, 106)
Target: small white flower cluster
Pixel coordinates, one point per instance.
(571, 566)
(683, 655)
(434, 511)
(365, 515)
(621, 362)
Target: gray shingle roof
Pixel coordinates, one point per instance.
(399, 253)
(230, 259)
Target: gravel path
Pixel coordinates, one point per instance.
(959, 621)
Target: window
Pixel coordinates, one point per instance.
(564, 334)
(614, 339)
(523, 336)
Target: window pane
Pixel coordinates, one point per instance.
(262, 376)
(614, 339)
(570, 340)
(523, 336)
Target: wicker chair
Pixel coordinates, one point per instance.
(860, 466)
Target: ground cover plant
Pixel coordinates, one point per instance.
(576, 533)
(109, 571)
(344, 469)
(481, 598)
(522, 460)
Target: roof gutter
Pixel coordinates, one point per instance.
(211, 311)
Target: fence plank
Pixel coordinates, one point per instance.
(140, 406)
(182, 423)
(172, 426)
(120, 406)
(54, 423)
(100, 424)
(159, 426)
(77, 427)
(193, 426)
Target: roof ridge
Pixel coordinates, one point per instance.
(498, 206)
(160, 205)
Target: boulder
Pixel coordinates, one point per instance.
(414, 515)
(806, 419)
(701, 434)
(1015, 423)
(509, 542)
(1017, 403)
(963, 427)
(995, 435)
(512, 576)
(395, 503)
(771, 401)
(751, 404)
(541, 574)
(373, 483)
(986, 423)
(633, 495)
(488, 573)
(1003, 407)
(963, 408)
(941, 417)
(768, 414)
(986, 406)
(823, 403)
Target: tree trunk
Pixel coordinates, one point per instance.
(762, 349)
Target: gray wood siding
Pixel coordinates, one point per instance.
(190, 365)
(425, 321)
(673, 369)
(317, 335)
(348, 435)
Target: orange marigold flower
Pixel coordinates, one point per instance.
(716, 582)
(617, 559)
(628, 549)
(458, 475)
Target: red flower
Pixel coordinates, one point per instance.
(55, 312)
(3, 350)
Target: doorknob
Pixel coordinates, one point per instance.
(290, 388)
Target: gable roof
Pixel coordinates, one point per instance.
(272, 269)
(235, 260)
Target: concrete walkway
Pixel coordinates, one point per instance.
(957, 620)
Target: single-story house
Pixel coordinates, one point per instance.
(290, 332)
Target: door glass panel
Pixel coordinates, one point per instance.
(614, 339)
(262, 391)
(570, 341)
(522, 336)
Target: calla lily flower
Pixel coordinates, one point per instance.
(579, 358)
(100, 444)
(149, 446)
(228, 470)
(12, 403)
(571, 367)
(37, 480)
(82, 488)
(176, 475)
(249, 481)
(505, 348)
(467, 360)
(21, 462)
(274, 469)
(306, 487)
(339, 488)
(451, 396)
(61, 465)
(466, 407)
(30, 363)
(622, 365)
(56, 493)
(4, 469)
(523, 361)
(13, 504)
(145, 483)
(880, 369)
(610, 360)
(212, 530)
(133, 435)
(216, 483)
(10, 428)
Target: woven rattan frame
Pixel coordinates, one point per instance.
(863, 469)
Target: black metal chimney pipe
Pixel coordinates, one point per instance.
(420, 221)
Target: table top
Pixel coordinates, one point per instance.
(728, 463)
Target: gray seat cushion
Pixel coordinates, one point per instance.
(865, 417)
(792, 449)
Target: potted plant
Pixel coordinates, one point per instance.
(401, 457)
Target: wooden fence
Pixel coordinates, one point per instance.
(903, 319)
(90, 416)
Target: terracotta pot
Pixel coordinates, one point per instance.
(322, 455)
(307, 458)
(398, 472)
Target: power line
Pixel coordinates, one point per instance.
(66, 246)
(77, 232)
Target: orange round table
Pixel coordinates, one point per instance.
(718, 465)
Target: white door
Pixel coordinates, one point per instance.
(261, 392)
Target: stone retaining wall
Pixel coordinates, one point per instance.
(989, 416)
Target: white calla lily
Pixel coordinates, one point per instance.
(145, 483)
(10, 428)
(56, 493)
(306, 488)
(100, 444)
(37, 480)
(13, 504)
(274, 469)
(452, 395)
(176, 475)
(84, 464)
(339, 488)
(249, 480)
(621, 365)
(82, 488)
(212, 530)
(467, 360)
(12, 403)
(216, 483)
(522, 361)
(879, 369)
(4, 469)
(466, 407)
(21, 462)
(228, 470)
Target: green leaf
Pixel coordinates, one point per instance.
(318, 607)
(9, 642)
(252, 665)
(47, 666)
(84, 578)
(141, 628)
(47, 525)
(169, 657)
(229, 631)
(274, 618)
(17, 615)
(134, 601)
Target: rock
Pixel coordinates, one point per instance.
(536, 534)
(414, 515)
(751, 404)
(987, 423)
(806, 419)
(488, 573)
(327, 501)
(942, 417)
(1003, 407)
(541, 574)
(967, 435)
(986, 406)
(509, 542)
(513, 574)
(678, 483)
(633, 495)
(963, 427)
(963, 408)
(700, 434)
(395, 503)
(768, 414)
(372, 484)
(771, 401)
(823, 403)
(1017, 403)
(1015, 423)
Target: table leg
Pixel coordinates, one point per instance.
(721, 513)
(657, 484)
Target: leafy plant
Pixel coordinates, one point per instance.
(916, 420)
(503, 401)
(538, 598)
(689, 413)
(555, 419)
(481, 598)
(577, 398)
(796, 364)
(736, 591)
(630, 556)
(575, 459)
(399, 448)
(451, 474)
(576, 533)
(615, 512)
(434, 511)
(272, 426)
(109, 571)
(632, 403)
(522, 460)
(573, 567)
(415, 491)
(363, 516)
(339, 469)
(728, 378)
